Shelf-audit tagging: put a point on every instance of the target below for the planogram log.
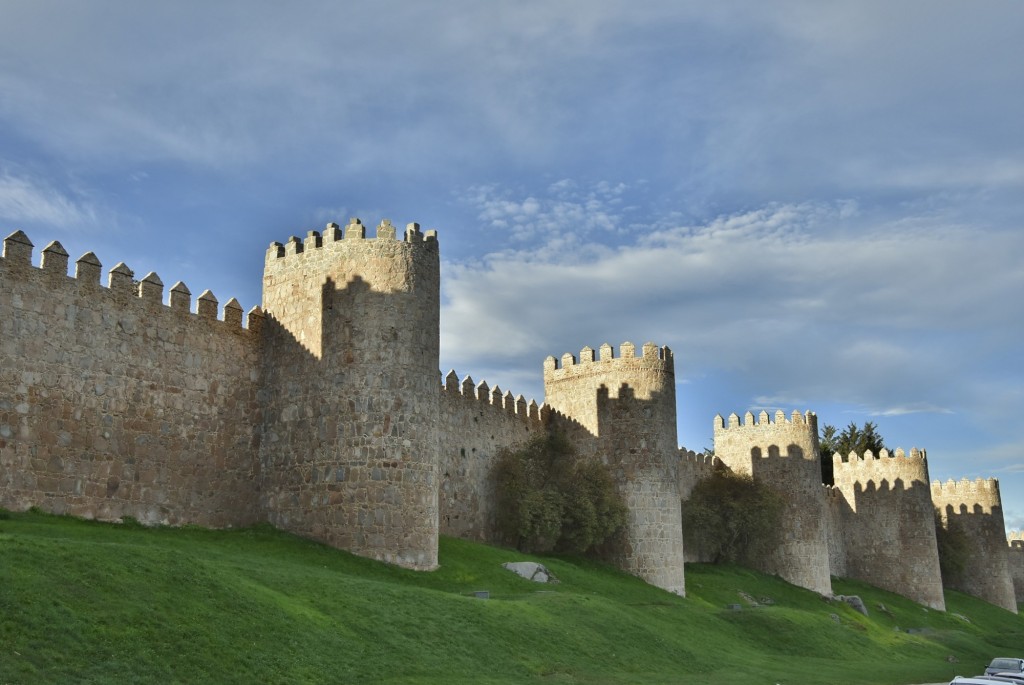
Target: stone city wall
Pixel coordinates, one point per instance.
(1016, 562)
(627, 404)
(113, 404)
(323, 416)
(837, 511)
(888, 528)
(352, 407)
(784, 455)
(694, 468)
(477, 422)
(975, 507)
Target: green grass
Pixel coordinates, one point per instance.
(84, 602)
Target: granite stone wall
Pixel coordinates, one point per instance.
(477, 422)
(837, 511)
(888, 525)
(975, 507)
(784, 455)
(627, 406)
(350, 429)
(113, 404)
(694, 468)
(1016, 562)
(323, 415)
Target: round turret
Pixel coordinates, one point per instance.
(622, 410)
(976, 508)
(784, 455)
(888, 523)
(349, 451)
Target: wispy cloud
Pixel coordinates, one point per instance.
(823, 301)
(566, 212)
(25, 200)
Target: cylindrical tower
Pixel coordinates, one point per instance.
(976, 509)
(350, 439)
(784, 455)
(889, 524)
(1016, 557)
(625, 408)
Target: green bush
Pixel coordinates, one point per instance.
(549, 499)
(732, 518)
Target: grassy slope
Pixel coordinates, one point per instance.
(89, 602)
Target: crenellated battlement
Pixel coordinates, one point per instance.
(492, 398)
(763, 420)
(568, 364)
(783, 454)
(967, 496)
(693, 468)
(974, 507)
(985, 487)
(764, 438)
(354, 232)
(883, 470)
(701, 460)
(320, 413)
(121, 284)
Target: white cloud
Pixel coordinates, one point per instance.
(24, 200)
(816, 301)
(567, 214)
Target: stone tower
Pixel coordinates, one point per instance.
(784, 455)
(350, 397)
(1016, 540)
(976, 508)
(623, 411)
(888, 523)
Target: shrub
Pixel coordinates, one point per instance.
(732, 517)
(549, 499)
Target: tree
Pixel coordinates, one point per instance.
(732, 518)
(549, 499)
(852, 439)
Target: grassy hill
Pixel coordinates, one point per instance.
(84, 602)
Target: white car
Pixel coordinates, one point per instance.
(1012, 677)
(982, 680)
(1005, 665)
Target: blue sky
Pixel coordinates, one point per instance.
(815, 205)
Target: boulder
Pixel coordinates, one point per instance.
(530, 570)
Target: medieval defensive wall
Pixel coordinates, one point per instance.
(477, 423)
(885, 523)
(1016, 560)
(975, 508)
(113, 404)
(323, 413)
(784, 454)
(622, 410)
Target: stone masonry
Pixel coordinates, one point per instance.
(114, 405)
(975, 507)
(477, 422)
(887, 523)
(1016, 560)
(324, 416)
(784, 454)
(623, 410)
(350, 399)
